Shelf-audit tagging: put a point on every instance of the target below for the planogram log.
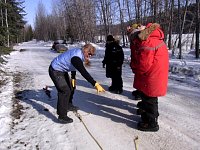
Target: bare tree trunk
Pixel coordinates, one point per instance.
(184, 16)
(180, 30)
(155, 7)
(128, 9)
(144, 12)
(137, 10)
(197, 29)
(103, 8)
(170, 26)
(8, 34)
(122, 22)
(181, 26)
(81, 23)
(1, 14)
(192, 42)
(164, 16)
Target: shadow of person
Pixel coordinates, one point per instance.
(126, 93)
(93, 103)
(107, 105)
(38, 100)
(113, 109)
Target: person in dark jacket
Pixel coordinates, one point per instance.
(113, 60)
(70, 61)
(150, 63)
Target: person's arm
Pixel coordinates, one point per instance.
(73, 79)
(73, 74)
(145, 57)
(78, 64)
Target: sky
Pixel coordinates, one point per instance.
(31, 9)
(105, 120)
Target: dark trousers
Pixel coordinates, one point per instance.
(116, 78)
(64, 88)
(150, 107)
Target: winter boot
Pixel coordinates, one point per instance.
(140, 105)
(71, 107)
(65, 119)
(137, 97)
(111, 88)
(119, 91)
(140, 111)
(150, 125)
(136, 94)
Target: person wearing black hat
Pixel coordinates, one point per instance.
(113, 60)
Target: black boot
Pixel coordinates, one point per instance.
(65, 119)
(150, 125)
(144, 118)
(71, 107)
(141, 105)
(140, 111)
(119, 91)
(136, 94)
(111, 88)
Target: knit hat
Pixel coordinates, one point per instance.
(135, 25)
(110, 38)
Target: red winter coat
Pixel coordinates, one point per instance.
(150, 61)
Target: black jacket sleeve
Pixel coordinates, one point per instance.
(73, 74)
(78, 64)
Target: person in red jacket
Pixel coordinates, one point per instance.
(150, 63)
(133, 32)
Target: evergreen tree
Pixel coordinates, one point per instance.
(12, 13)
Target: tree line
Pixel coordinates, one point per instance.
(93, 20)
(12, 22)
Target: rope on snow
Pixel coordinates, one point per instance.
(78, 115)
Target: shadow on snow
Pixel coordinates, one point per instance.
(113, 108)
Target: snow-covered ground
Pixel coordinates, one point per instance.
(28, 119)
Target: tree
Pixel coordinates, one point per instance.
(12, 22)
(28, 33)
(180, 30)
(6, 20)
(197, 29)
(170, 26)
(41, 32)
(121, 22)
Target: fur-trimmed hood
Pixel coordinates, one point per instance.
(153, 30)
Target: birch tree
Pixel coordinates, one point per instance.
(6, 21)
(170, 26)
(197, 29)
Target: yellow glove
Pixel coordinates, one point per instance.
(73, 83)
(99, 87)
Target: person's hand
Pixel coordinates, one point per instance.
(99, 87)
(73, 83)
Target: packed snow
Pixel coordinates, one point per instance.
(28, 118)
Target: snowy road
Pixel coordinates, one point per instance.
(110, 118)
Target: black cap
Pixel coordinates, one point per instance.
(110, 38)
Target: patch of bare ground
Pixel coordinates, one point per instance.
(17, 107)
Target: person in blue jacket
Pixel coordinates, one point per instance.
(70, 61)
